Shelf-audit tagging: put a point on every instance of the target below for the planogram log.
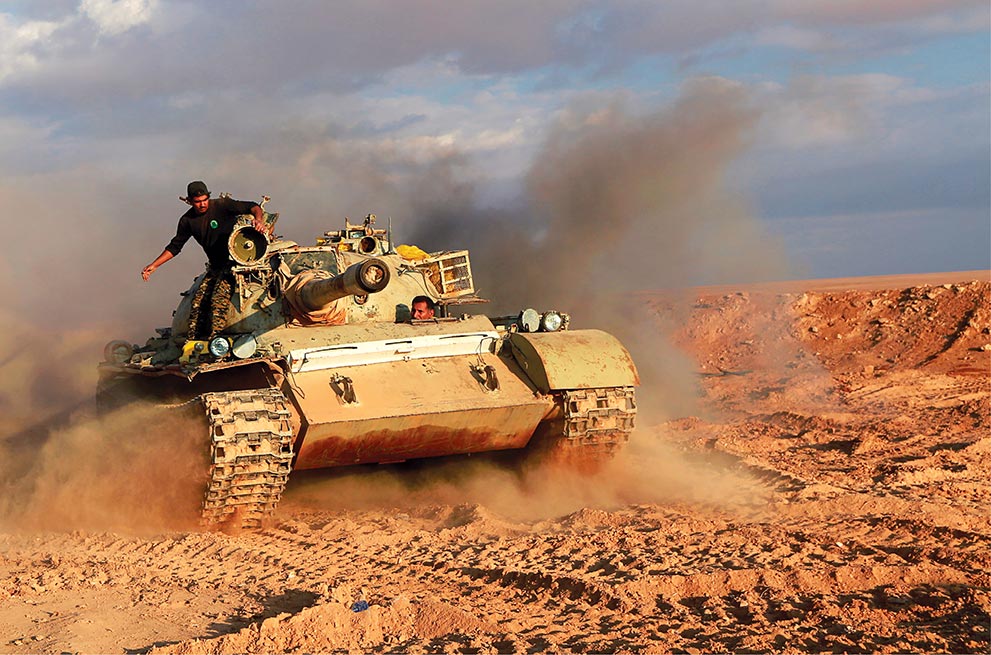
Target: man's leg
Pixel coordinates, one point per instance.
(198, 329)
(220, 302)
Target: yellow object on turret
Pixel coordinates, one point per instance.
(412, 252)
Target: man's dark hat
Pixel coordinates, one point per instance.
(196, 189)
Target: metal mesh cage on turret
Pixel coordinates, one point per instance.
(450, 273)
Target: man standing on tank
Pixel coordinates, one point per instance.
(211, 223)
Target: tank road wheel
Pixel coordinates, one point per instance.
(596, 425)
(251, 455)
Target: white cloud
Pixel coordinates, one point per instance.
(821, 111)
(495, 139)
(117, 16)
(20, 44)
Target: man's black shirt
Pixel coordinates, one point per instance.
(212, 229)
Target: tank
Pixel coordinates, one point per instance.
(319, 364)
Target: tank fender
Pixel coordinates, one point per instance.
(573, 359)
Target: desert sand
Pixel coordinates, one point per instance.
(812, 478)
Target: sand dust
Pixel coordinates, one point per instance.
(822, 486)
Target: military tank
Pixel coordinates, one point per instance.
(319, 364)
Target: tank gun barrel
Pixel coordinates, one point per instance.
(369, 276)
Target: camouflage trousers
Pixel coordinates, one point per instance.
(215, 289)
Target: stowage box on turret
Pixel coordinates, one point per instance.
(319, 364)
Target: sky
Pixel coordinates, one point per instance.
(653, 143)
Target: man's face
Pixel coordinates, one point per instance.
(200, 203)
(422, 311)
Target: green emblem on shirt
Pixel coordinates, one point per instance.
(213, 224)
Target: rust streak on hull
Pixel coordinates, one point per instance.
(410, 437)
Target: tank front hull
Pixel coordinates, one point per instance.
(399, 438)
(412, 409)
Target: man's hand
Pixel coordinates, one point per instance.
(150, 268)
(259, 220)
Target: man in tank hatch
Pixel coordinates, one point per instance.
(210, 222)
(422, 308)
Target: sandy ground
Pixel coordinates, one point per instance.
(824, 489)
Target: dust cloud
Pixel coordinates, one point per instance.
(61, 466)
(137, 470)
(648, 470)
(617, 201)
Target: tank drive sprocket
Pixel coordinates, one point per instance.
(251, 455)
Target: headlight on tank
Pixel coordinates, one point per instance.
(529, 320)
(551, 322)
(219, 347)
(245, 346)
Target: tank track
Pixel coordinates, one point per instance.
(599, 419)
(251, 455)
